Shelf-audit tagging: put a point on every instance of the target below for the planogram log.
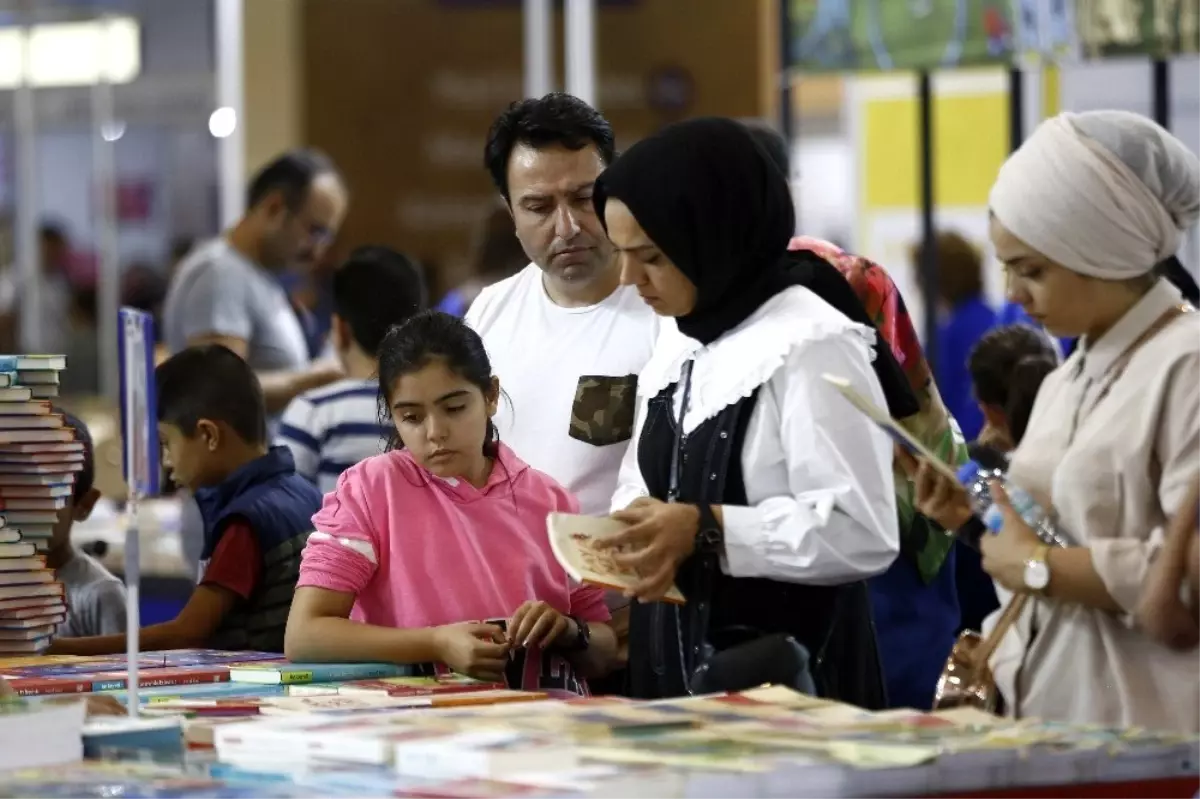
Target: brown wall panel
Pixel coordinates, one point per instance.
(401, 92)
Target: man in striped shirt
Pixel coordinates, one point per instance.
(330, 429)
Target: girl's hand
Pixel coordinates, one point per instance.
(474, 649)
(1006, 553)
(935, 495)
(536, 624)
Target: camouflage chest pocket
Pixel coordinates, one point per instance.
(602, 412)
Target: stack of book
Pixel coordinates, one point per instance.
(39, 459)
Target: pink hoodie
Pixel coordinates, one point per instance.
(420, 551)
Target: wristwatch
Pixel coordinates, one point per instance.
(1037, 570)
(710, 538)
(583, 636)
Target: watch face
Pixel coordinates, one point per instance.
(1037, 575)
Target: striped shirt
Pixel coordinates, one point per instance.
(332, 428)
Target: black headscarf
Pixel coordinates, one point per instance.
(716, 205)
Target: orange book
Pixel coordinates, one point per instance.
(573, 537)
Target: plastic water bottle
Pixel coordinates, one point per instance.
(977, 479)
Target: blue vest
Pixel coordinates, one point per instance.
(278, 505)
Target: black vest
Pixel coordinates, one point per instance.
(669, 642)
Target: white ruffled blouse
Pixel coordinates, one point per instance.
(817, 473)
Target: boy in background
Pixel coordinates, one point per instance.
(330, 429)
(95, 598)
(257, 511)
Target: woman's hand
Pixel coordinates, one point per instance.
(935, 495)
(1006, 552)
(660, 536)
(474, 649)
(537, 624)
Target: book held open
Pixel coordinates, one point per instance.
(572, 538)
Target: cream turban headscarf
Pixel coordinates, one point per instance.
(1103, 193)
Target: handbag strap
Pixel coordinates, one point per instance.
(1012, 611)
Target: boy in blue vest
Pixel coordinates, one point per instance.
(257, 511)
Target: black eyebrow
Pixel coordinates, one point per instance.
(462, 392)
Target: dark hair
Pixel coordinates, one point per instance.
(558, 119)
(772, 141)
(959, 267)
(1173, 270)
(85, 477)
(498, 251)
(52, 233)
(1026, 380)
(431, 335)
(375, 289)
(1007, 368)
(290, 174)
(211, 382)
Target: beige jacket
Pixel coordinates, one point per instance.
(1113, 487)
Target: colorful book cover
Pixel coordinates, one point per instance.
(419, 686)
(217, 690)
(207, 657)
(114, 680)
(283, 672)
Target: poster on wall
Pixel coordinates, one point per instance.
(1137, 27)
(864, 35)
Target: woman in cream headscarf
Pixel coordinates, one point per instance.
(1082, 214)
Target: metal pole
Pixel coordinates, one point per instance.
(929, 268)
(29, 302)
(1016, 107)
(539, 48)
(104, 169)
(787, 123)
(581, 50)
(231, 154)
(1161, 91)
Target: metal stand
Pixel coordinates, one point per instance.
(133, 622)
(1016, 108)
(1161, 92)
(928, 266)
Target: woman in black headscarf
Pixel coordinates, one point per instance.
(751, 483)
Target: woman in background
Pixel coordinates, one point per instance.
(497, 255)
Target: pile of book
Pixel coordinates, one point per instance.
(39, 458)
(362, 729)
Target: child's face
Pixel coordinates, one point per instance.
(191, 460)
(77, 509)
(442, 418)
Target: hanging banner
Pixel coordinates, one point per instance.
(863, 35)
(1137, 27)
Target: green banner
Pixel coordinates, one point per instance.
(856, 35)
(864, 35)
(1135, 27)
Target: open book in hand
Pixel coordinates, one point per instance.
(572, 537)
(889, 425)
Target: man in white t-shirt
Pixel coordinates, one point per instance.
(566, 340)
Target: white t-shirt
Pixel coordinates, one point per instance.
(570, 376)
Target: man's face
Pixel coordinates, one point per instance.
(297, 239)
(550, 196)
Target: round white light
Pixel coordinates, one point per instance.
(222, 122)
(111, 131)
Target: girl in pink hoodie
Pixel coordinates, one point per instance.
(417, 547)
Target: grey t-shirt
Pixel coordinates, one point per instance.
(95, 599)
(217, 291)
